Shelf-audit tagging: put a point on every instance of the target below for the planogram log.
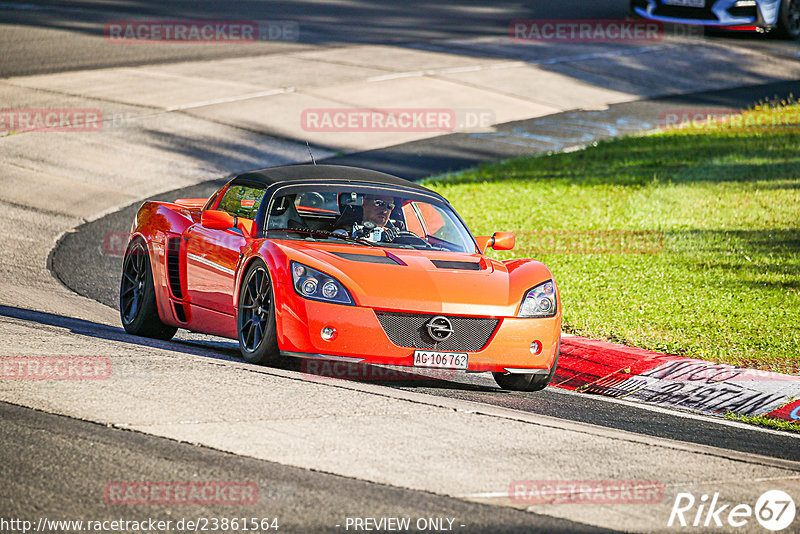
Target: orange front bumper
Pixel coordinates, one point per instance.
(360, 335)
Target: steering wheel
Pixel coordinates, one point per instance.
(318, 199)
(404, 237)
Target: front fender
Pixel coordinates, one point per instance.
(155, 220)
(525, 274)
(271, 255)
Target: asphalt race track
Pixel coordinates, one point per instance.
(442, 154)
(189, 409)
(44, 36)
(302, 499)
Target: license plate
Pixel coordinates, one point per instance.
(441, 360)
(685, 3)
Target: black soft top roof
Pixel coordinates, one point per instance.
(338, 173)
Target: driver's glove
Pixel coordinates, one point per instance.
(389, 233)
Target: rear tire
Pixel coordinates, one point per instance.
(138, 309)
(789, 20)
(255, 322)
(527, 382)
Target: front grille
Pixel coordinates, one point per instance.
(470, 334)
(684, 12)
(174, 266)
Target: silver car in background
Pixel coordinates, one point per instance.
(755, 15)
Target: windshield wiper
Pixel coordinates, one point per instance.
(359, 240)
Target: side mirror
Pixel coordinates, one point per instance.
(483, 242)
(498, 241)
(503, 241)
(222, 220)
(217, 220)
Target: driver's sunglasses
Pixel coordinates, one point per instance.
(383, 204)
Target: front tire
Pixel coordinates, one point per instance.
(138, 309)
(527, 382)
(255, 323)
(789, 19)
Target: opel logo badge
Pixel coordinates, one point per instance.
(439, 328)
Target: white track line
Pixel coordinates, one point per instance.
(227, 100)
(679, 413)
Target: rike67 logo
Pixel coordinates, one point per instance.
(774, 510)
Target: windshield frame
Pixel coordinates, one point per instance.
(286, 188)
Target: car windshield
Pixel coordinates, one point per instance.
(367, 216)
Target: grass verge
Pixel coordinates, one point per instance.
(760, 420)
(686, 241)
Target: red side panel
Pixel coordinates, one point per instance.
(191, 203)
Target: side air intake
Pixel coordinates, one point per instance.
(174, 266)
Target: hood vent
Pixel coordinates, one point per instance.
(460, 265)
(366, 258)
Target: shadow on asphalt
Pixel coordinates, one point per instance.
(111, 333)
(449, 27)
(228, 350)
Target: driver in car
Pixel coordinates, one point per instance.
(376, 225)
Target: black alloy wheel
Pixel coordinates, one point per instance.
(138, 309)
(256, 318)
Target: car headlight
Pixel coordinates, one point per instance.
(539, 301)
(316, 285)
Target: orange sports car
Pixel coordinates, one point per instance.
(340, 263)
